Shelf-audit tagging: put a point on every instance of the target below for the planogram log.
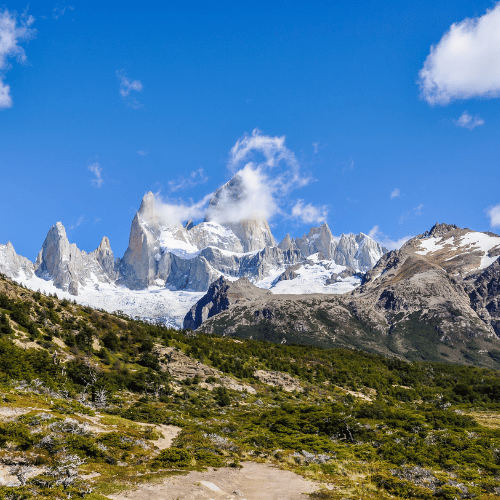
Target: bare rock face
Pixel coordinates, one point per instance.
(221, 294)
(13, 265)
(138, 266)
(484, 294)
(70, 267)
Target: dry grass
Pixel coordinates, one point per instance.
(486, 419)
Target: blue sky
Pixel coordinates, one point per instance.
(102, 102)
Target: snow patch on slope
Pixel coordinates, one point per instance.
(312, 277)
(154, 303)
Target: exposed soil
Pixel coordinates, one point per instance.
(254, 481)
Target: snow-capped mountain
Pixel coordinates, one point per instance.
(168, 265)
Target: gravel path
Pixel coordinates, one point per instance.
(254, 481)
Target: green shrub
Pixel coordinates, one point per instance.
(208, 459)
(173, 458)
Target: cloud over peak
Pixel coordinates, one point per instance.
(466, 61)
(264, 172)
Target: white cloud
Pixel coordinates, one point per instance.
(468, 121)
(494, 215)
(268, 154)
(385, 241)
(96, 169)
(267, 172)
(128, 86)
(12, 31)
(309, 214)
(315, 146)
(395, 193)
(174, 213)
(196, 177)
(466, 61)
(250, 196)
(142, 152)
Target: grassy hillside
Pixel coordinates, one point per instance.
(88, 399)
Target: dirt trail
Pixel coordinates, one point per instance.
(253, 481)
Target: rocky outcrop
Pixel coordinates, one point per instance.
(288, 244)
(289, 274)
(221, 294)
(70, 267)
(356, 251)
(13, 265)
(279, 379)
(319, 239)
(180, 366)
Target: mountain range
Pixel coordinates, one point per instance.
(168, 266)
(436, 298)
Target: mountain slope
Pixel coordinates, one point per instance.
(436, 298)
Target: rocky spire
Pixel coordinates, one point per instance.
(70, 267)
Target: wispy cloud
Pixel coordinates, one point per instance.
(79, 222)
(13, 29)
(414, 212)
(309, 214)
(494, 215)
(395, 193)
(196, 177)
(315, 146)
(141, 152)
(59, 10)
(466, 61)
(385, 241)
(348, 167)
(128, 88)
(96, 169)
(468, 121)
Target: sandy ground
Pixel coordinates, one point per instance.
(253, 481)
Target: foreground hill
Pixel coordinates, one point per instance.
(94, 404)
(437, 299)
